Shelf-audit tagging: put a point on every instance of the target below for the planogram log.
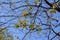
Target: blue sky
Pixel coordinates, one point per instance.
(6, 10)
